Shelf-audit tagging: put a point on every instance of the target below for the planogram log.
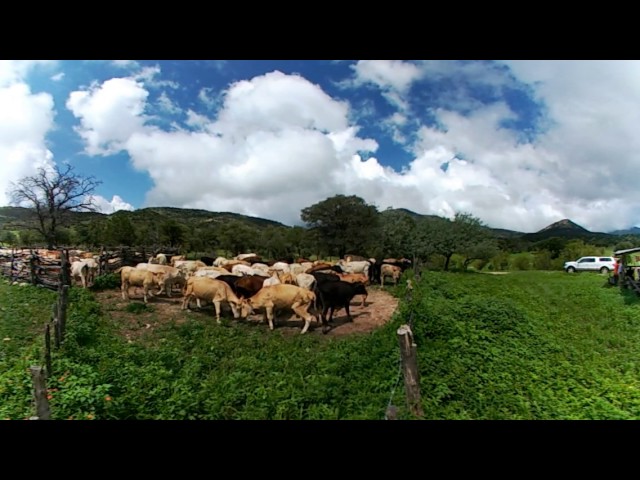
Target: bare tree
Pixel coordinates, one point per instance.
(52, 195)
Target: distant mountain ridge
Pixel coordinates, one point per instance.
(11, 217)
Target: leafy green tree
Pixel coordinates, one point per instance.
(53, 195)
(9, 238)
(483, 250)
(172, 233)
(398, 234)
(120, 230)
(343, 223)
(542, 260)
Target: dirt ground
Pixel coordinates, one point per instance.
(379, 308)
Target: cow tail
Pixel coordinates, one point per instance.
(118, 270)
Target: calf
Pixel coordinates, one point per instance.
(282, 296)
(212, 290)
(334, 295)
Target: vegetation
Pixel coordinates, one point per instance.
(52, 195)
(527, 345)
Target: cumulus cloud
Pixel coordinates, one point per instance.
(109, 113)
(105, 206)
(25, 120)
(57, 77)
(279, 143)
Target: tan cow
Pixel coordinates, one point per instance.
(211, 290)
(283, 296)
(134, 277)
(390, 271)
(172, 276)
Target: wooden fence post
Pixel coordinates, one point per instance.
(65, 268)
(47, 349)
(408, 352)
(13, 254)
(63, 301)
(40, 393)
(56, 325)
(32, 267)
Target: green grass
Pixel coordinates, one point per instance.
(526, 345)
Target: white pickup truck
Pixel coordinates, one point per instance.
(591, 264)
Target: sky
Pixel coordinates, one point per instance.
(518, 144)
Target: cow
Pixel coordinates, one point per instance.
(80, 271)
(208, 261)
(211, 290)
(355, 277)
(390, 271)
(282, 296)
(134, 277)
(249, 285)
(173, 276)
(334, 295)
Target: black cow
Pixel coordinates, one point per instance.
(229, 280)
(334, 295)
(208, 261)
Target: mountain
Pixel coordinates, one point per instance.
(568, 229)
(628, 231)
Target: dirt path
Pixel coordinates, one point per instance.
(379, 308)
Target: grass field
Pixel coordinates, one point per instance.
(525, 345)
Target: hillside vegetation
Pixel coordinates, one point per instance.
(526, 345)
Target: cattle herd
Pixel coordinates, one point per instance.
(247, 284)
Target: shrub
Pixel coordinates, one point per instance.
(106, 282)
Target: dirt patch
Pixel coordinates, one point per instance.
(378, 309)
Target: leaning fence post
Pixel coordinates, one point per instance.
(408, 352)
(47, 349)
(40, 393)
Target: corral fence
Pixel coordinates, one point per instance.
(52, 269)
(41, 267)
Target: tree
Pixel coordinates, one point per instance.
(120, 230)
(343, 223)
(53, 194)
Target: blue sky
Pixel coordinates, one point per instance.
(518, 144)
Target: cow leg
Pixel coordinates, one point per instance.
(325, 324)
(125, 291)
(269, 314)
(364, 299)
(301, 311)
(346, 307)
(185, 301)
(217, 305)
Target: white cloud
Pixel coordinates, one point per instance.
(15, 71)
(167, 105)
(57, 77)
(394, 75)
(125, 63)
(109, 114)
(149, 76)
(25, 120)
(207, 98)
(105, 206)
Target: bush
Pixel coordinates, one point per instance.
(106, 282)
